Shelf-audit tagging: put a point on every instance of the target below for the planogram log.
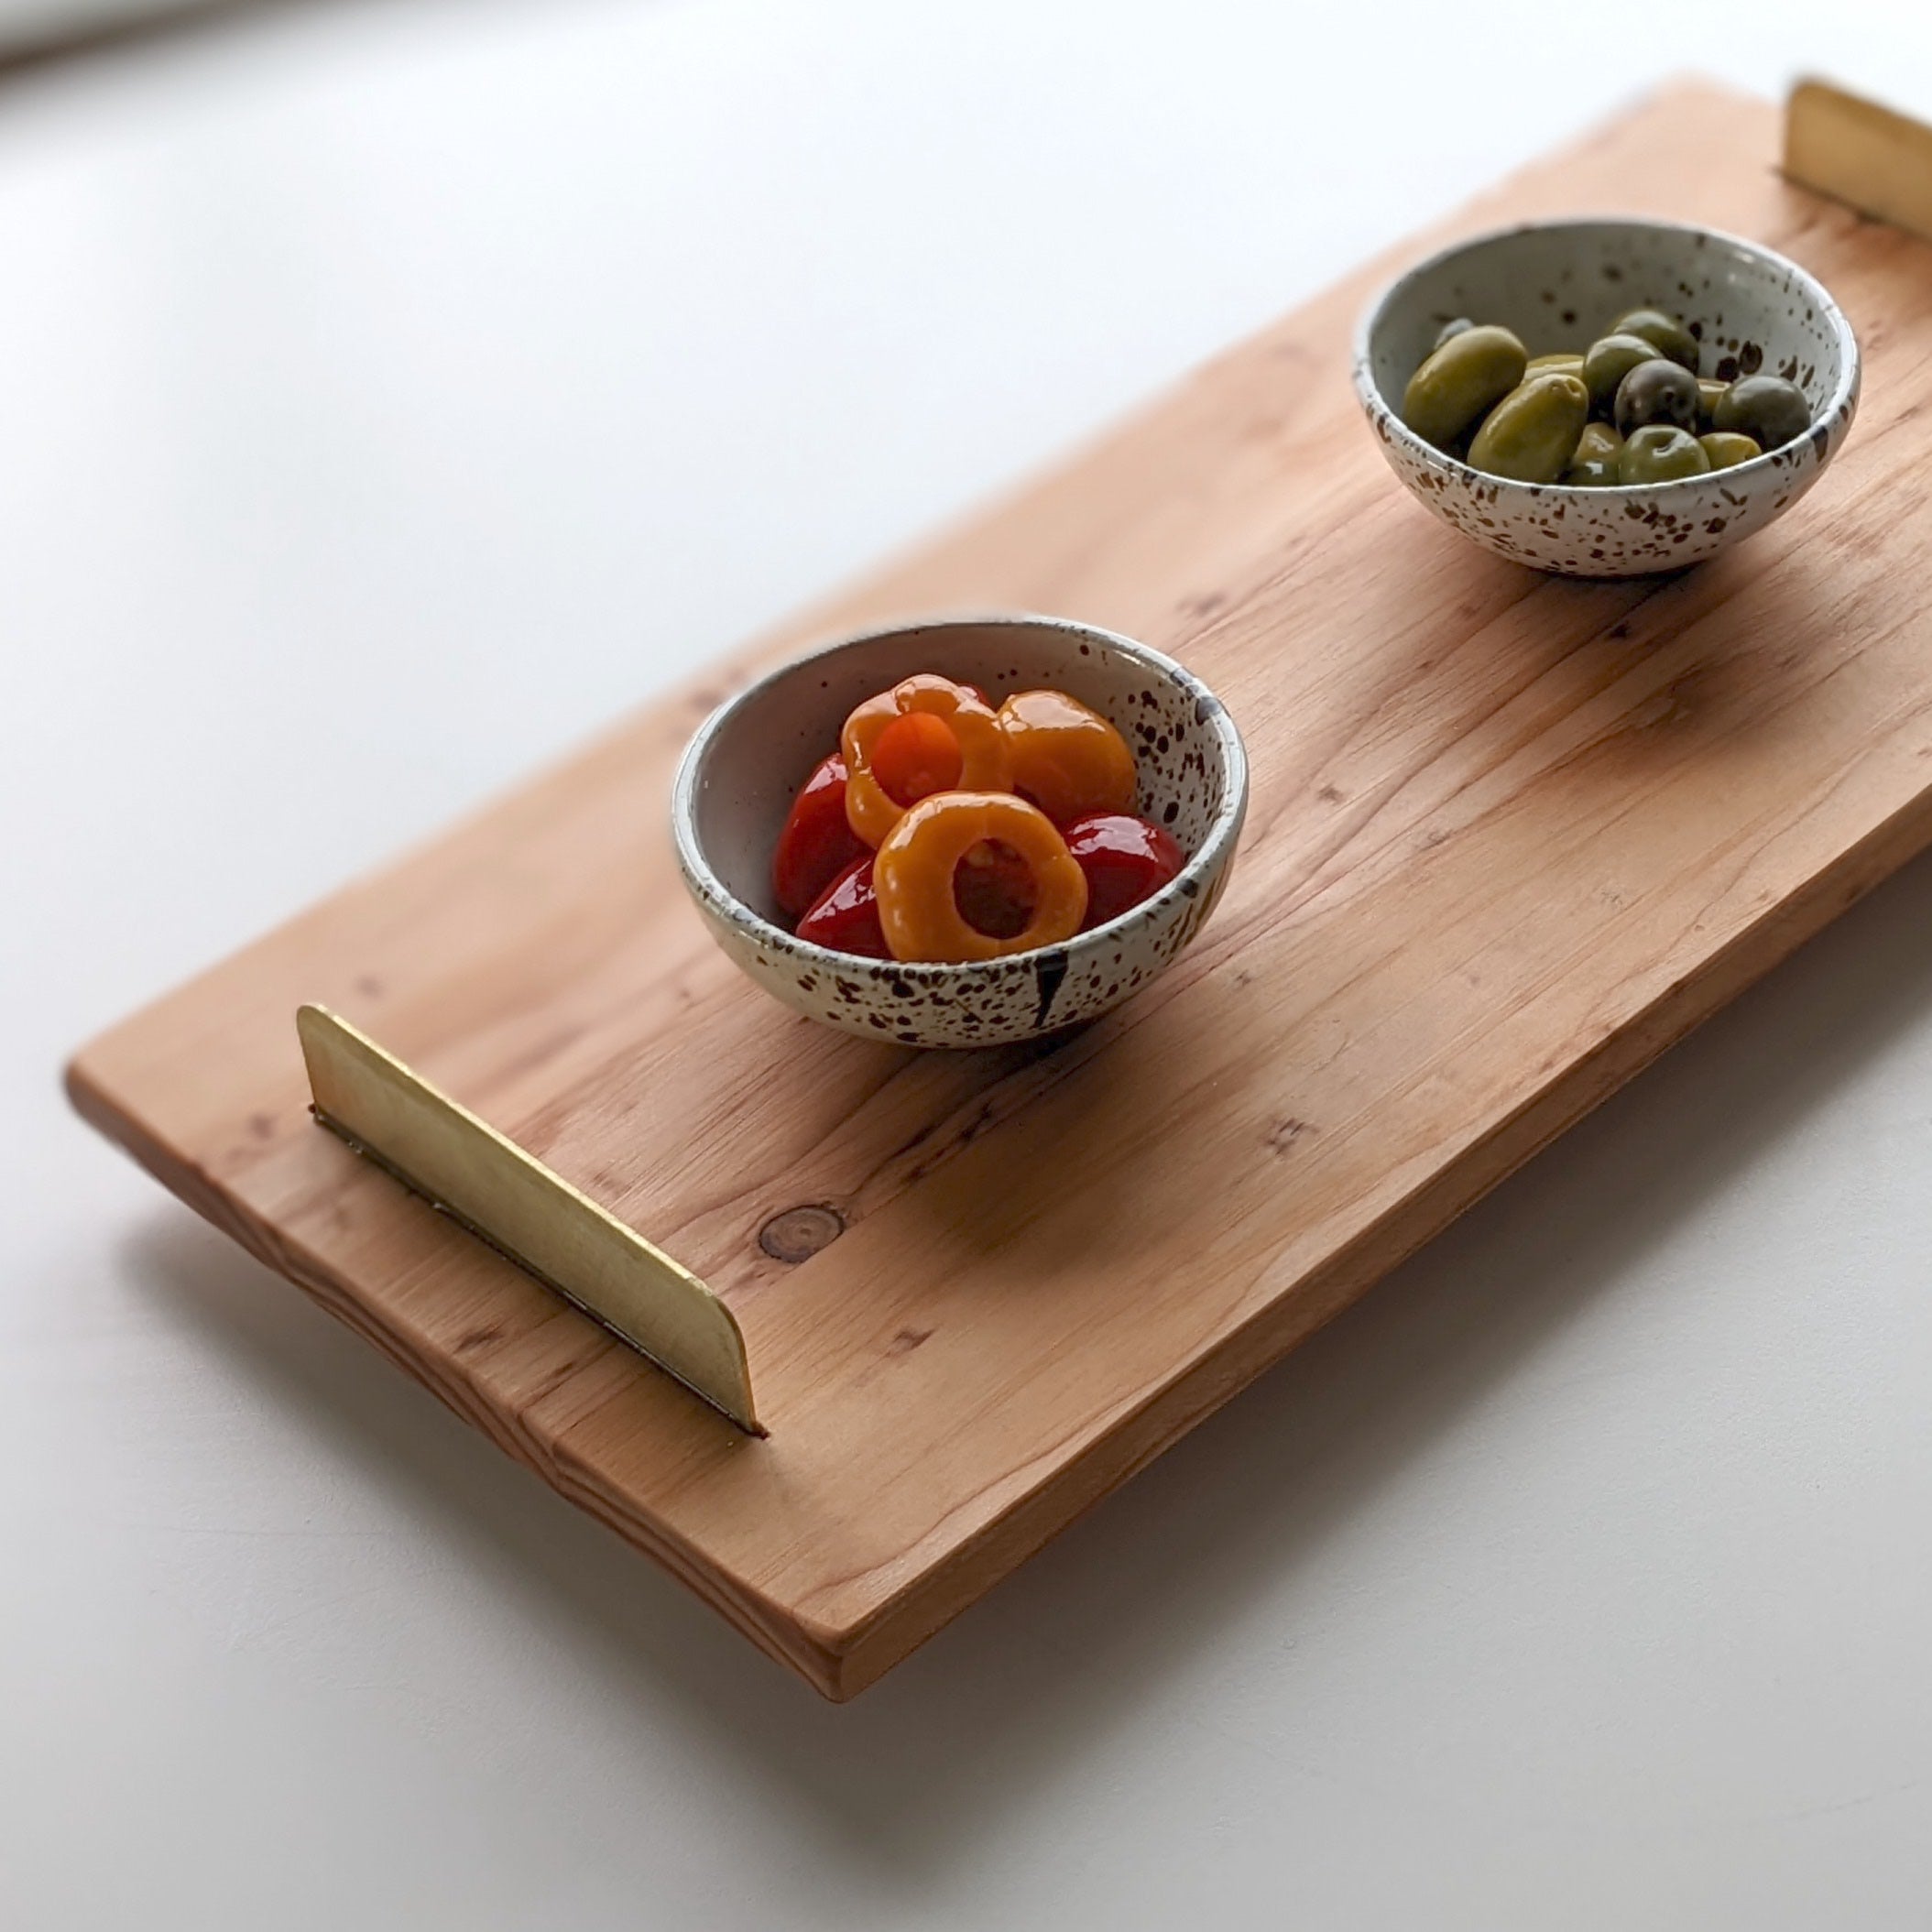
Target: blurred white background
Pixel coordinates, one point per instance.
(390, 392)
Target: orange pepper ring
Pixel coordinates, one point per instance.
(913, 875)
(986, 760)
(1067, 757)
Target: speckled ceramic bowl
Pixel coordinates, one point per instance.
(1559, 285)
(742, 770)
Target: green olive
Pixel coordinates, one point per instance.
(1661, 453)
(1450, 328)
(1765, 407)
(1709, 391)
(1471, 373)
(1593, 462)
(1607, 362)
(1599, 474)
(1728, 448)
(1656, 391)
(1529, 435)
(1673, 340)
(1570, 361)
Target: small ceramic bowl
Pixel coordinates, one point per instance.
(744, 767)
(1559, 285)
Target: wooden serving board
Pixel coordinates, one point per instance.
(1511, 836)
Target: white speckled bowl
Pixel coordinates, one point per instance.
(742, 770)
(1559, 285)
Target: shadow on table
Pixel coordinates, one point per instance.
(54, 40)
(1022, 1691)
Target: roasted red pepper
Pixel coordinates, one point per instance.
(846, 915)
(944, 829)
(1126, 859)
(817, 842)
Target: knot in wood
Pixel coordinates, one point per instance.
(798, 1233)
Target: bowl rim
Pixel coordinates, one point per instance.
(1841, 402)
(1202, 866)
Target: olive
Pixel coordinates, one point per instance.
(1471, 373)
(1656, 391)
(1529, 435)
(1765, 407)
(1450, 328)
(1709, 392)
(1606, 363)
(1660, 452)
(1673, 340)
(1593, 462)
(1570, 361)
(1728, 448)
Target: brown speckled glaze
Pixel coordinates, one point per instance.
(1559, 285)
(742, 770)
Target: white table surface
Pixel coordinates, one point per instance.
(391, 393)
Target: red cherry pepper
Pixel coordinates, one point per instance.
(1126, 859)
(817, 842)
(846, 916)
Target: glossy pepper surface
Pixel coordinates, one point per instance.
(845, 916)
(1126, 859)
(915, 869)
(1066, 758)
(915, 755)
(817, 844)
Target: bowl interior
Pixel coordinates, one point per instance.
(749, 763)
(1559, 285)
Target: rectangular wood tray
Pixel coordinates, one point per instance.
(1510, 837)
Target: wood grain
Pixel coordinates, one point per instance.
(1511, 836)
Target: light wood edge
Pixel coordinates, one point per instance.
(803, 1648)
(840, 1662)
(1240, 1357)
(505, 1197)
(1869, 157)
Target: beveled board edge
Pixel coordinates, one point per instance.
(464, 1166)
(1219, 1373)
(840, 1663)
(779, 1636)
(840, 1659)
